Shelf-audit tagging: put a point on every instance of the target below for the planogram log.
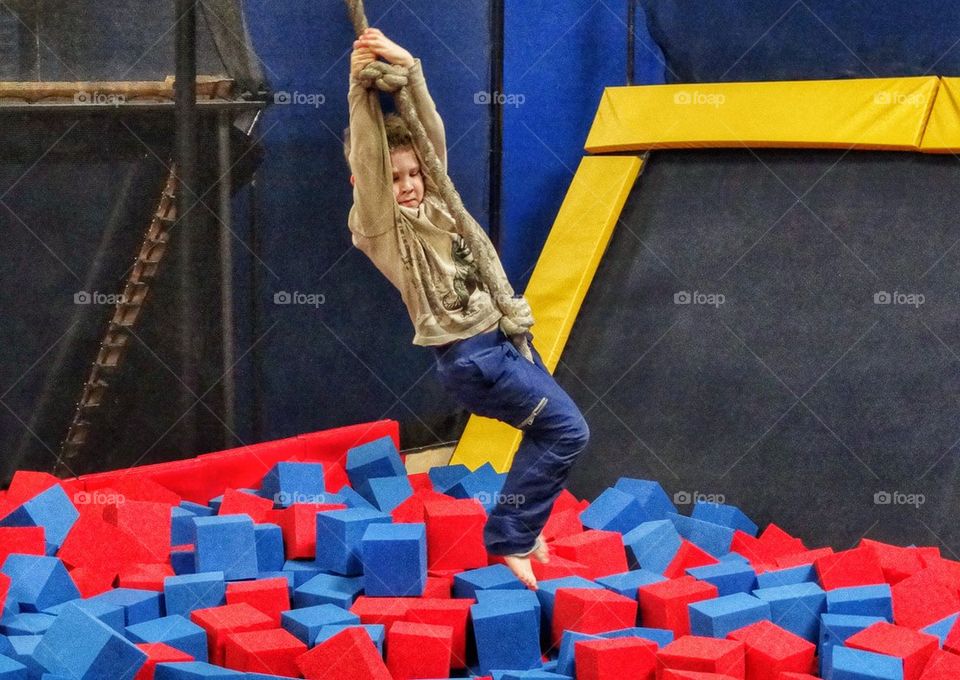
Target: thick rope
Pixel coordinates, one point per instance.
(517, 315)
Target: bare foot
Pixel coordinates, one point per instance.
(522, 569)
(542, 553)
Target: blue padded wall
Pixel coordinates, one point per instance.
(558, 57)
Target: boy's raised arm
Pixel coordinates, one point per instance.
(432, 123)
(374, 207)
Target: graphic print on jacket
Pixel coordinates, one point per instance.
(466, 280)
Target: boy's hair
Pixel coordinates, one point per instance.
(398, 135)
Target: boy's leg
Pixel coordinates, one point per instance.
(497, 382)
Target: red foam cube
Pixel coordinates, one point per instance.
(438, 587)
(21, 540)
(770, 650)
(454, 613)
(242, 503)
(557, 567)
(673, 674)
(92, 581)
(148, 522)
(923, 598)
(562, 524)
(144, 576)
(587, 610)
(138, 487)
(158, 652)
(219, 622)
(664, 604)
(268, 595)
(601, 551)
(942, 665)
(419, 650)
(455, 534)
(707, 655)
(383, 610)
(688, 556)
(913, 647)
(778, 542)
(95, 543)
(801, 558)
(348, 655)
(263, 651)
(897, 563)
(630, 657)
(856, 567)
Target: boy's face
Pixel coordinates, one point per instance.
(407, 180)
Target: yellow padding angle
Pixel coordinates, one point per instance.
(943, 129)
(875, 113)
(559, 282)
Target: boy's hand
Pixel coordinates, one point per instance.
(382, 46)
(360, 58)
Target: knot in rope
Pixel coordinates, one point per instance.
(385, 77)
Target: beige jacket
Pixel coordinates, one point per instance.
(413, 247)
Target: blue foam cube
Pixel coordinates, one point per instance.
(787, 577)
(730, 576)
(376, 632)
(328, 589)
(194, 670)
(493, 577)
(652, 545)
(509, 600)
(290, 482)
(834, 631)
(226, 543)
(183, 562)
(338, 538)
(182, 530)
(197, 509)
(876, 600)
(506, 638)
(23, 648)
(352, 499)
(629, 582)
(855, 664)
(712, 538)
(722, 615)
(378, 458)
(80, 646)
(724, 515)
(269, 541)
(483, 485)
(38, 582)
(386, 493)
(305, 623)
(613, 510)
(653, 499)
(445, 476)
(302, 570)
(113, 615)
(138, 605)
(30, 623)
(176, 631)
(394, 560)
(796, 607)
(11, 669)
(183, 594)
(50, 509)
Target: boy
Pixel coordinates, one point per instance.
(400, 223)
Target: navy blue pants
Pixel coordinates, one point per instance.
(488, 376)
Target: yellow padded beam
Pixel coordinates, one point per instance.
(943, 129)
(874, 113)
(559, 282)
